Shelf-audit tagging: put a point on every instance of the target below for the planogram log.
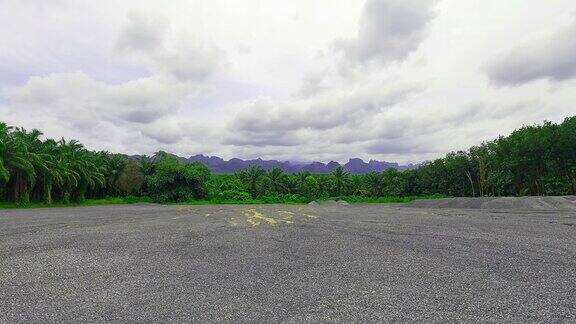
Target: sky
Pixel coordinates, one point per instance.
(300, 80)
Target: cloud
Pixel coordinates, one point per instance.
(409, 129)
(267, 138)
(402, 82)
(142, 33)
(190, 63)
(552, 57)
(42, 6)
(396, 147)
(389, 30)
(178, 130)
(166, 51)
(81, 100)
(327, 110)
(139, 116)
(177, 65)
(313, 83)
(337, 116)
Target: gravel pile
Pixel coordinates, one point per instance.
(518, 203)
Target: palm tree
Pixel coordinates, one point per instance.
(41, 156)
(250, 177)
(17, 163)
(356, 186)
(279, 180)
(4, 172)
(114, 164)
(300, 180)
(37, 169)
(341, 179)
(84, 164)
(55, 173)
(373, 182)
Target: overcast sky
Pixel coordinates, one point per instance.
(303, 80)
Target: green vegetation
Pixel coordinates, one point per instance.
(86, 202)
(534, 160)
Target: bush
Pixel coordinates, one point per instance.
(311, 188)
(234, 195)
(131, 178)
(177, 182)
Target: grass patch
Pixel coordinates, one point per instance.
(286, 199)
(86, 202)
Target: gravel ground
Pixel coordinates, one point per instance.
(286, 263)
(566, 203)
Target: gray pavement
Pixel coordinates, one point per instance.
(286, 263)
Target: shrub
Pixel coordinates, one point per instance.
(234, 195)
(131, 178)
(177, 182)
(311, 188)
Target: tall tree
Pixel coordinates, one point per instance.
(279, 180)
(341, 179)
(250, 176)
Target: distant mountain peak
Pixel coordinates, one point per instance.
(354, 165)
(217, 164)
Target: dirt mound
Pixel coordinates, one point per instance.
(519, 203)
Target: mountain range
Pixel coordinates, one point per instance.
(354, 165)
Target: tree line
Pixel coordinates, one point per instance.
(533, 160)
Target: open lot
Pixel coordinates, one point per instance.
(293, 263)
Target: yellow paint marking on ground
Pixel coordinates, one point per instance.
(287, 214)
(255, 218)
(288, 217)
(253, 222)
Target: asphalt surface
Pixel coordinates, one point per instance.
(286, 263)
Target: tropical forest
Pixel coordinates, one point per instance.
(535, 160)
